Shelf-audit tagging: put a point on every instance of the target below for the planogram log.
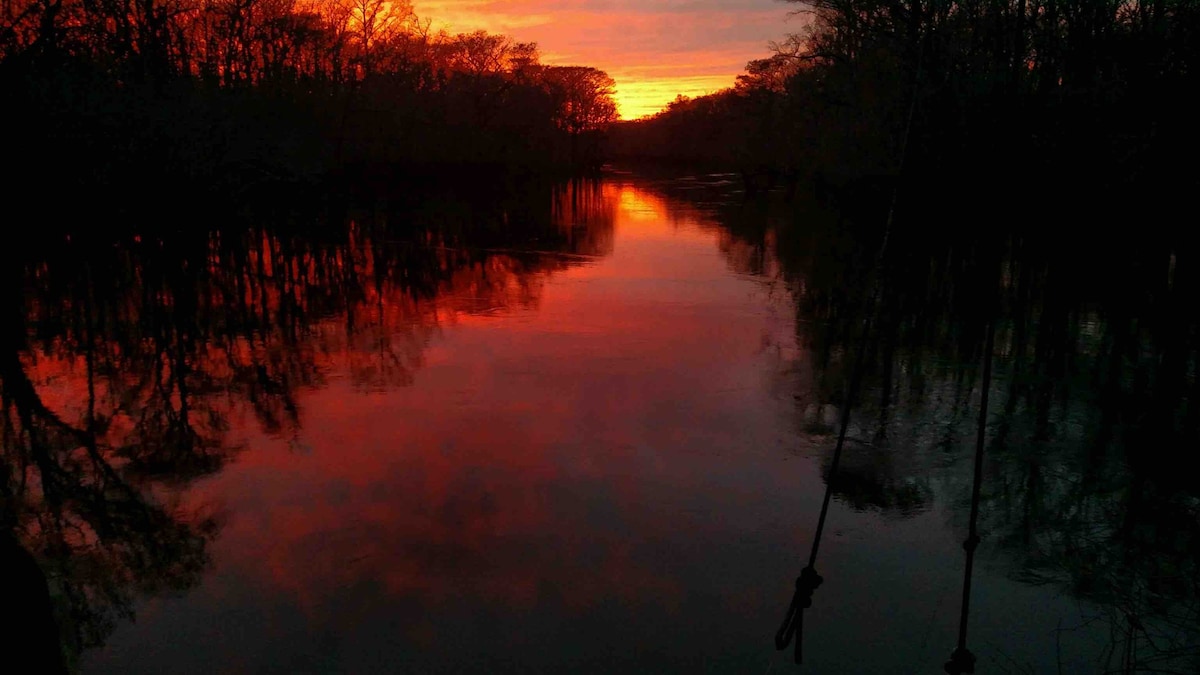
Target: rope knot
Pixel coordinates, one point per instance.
(971, 543)
(961, 661)
(806, 583)
(793, 622)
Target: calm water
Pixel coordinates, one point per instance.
(585, 429)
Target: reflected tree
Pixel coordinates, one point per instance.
(81, 517)
(123, 360)
(1093, 402)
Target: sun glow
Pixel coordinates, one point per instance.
(654, 49)
(637, 97)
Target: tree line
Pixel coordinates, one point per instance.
(237, 91)
(1032, 93)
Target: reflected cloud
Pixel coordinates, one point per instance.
(482, 418)
(555, 426)
(141, 363)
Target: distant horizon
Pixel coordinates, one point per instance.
(656, 50)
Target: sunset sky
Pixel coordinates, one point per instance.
(654, 49)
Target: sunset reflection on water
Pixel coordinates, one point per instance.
(544, 439)
(581, 429)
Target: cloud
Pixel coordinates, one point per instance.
(655, 49)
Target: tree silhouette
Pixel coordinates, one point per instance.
(1076, 97)
(586, 98)
(222, 94)
(584, 105)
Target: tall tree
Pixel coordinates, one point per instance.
(585, 97)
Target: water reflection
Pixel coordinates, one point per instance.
(585, 426)
(524, 490)
(128, 373)
(1095, 395)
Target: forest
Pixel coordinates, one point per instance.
(1000, 100)
(1047, 98)
(116, 96)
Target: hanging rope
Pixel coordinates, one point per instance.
(793, 622)
(961, 659)
(808, 581)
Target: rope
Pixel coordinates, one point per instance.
(961, 659)
(808, 581)
(793, 622)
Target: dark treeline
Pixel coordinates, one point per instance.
(126, 361)
(1009, 100)
(129, 95)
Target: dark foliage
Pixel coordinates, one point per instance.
(167, 95)
(1008, 101)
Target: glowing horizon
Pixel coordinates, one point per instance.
(654, 49)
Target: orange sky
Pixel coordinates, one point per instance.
(654, 49)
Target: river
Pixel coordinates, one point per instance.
(583, 429)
